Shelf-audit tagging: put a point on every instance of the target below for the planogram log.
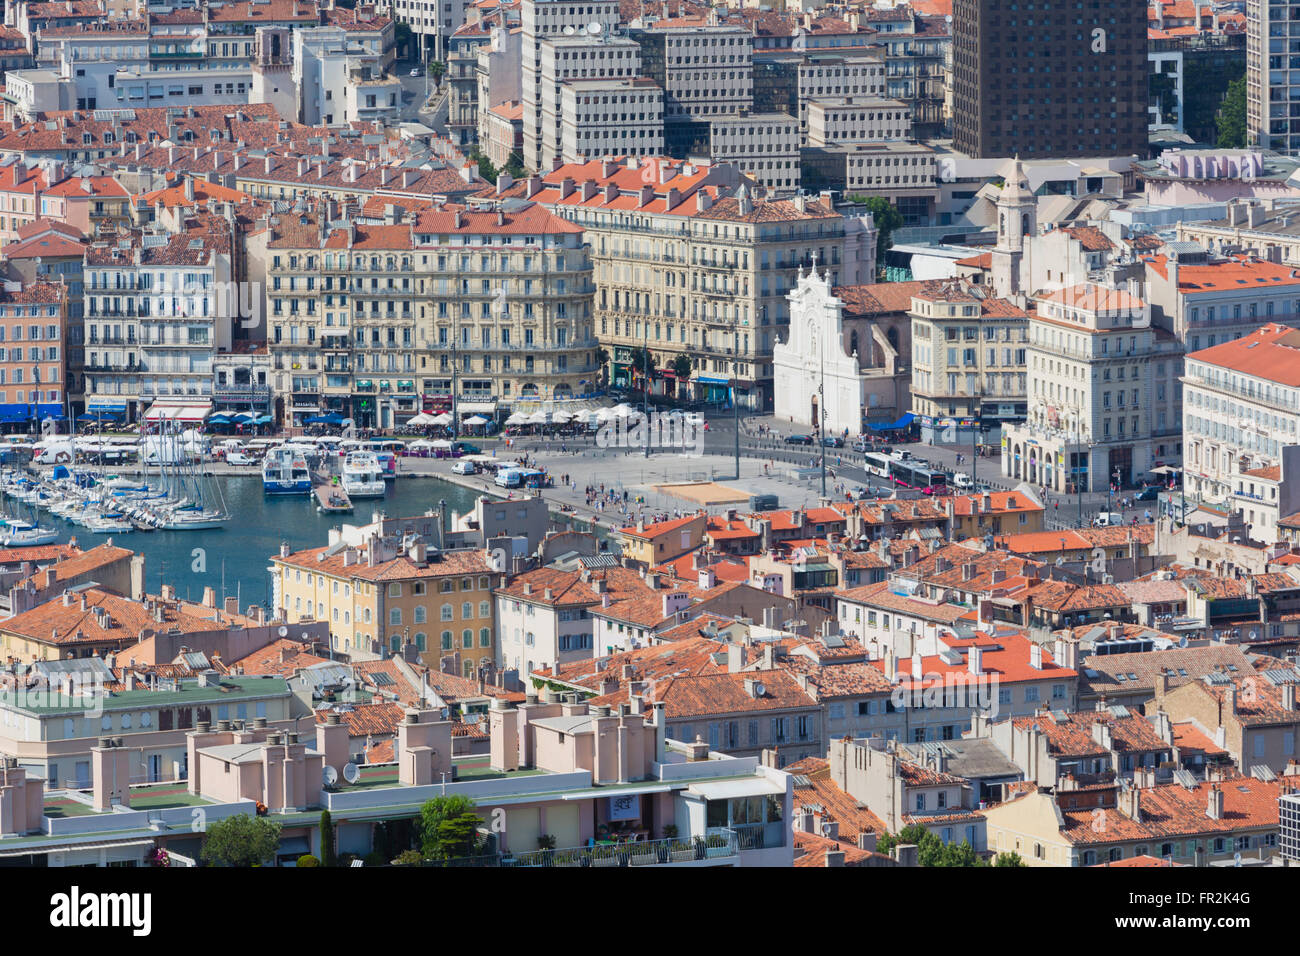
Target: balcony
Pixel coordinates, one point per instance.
(241, 392)
(720, 847)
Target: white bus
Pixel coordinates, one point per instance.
(877, 464)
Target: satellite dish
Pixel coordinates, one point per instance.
(329, 776)
(284, 631)
(948, 18)
(351, 773)
(569, 31)
(594, 28)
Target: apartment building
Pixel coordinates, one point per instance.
(856, 74)
(1002, 108)
(968, 360)
(851, 119)
(339, 81)
(490, 303)
(1269, 27)
(498, 68)
(584, 56)
(1241, 408)
(1250, 227)
(700, 268)
(391, 590)
(1094, 397)
(157, 310)
(610, 117)
(705, 70)
(34, 354)
(1206, 300)
(763, 146)
(432, 21)
(549, 19)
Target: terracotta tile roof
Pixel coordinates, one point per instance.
(1049, 542)
(1062, 597)
(1189, 738)
(1004, 660)
(1183, 664)
(399, 568)
(569, 590)
(812, 850)
(696, 628)
(915, 775)
(1171, 811)
(281, 658)
(878, 298)
(724, 567)
(683, 657)
(395, 685)
(1145, 860)
(1090, 237)
(718, 694)
(119, 619)
(377, 719)
(82, 562)
(1072, 736)
(453, 688)
(381, 751)
(43, 554)
(654, 530)
(879, 595)
(824, 795)
(835, 680)
(1258, 699)
(1274, 582)
(950, 565)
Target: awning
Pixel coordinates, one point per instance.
(622, 791)
(73, 847)
(901, 423)
(178, 412)
(734, 789)
(472, 407)
(107, 404)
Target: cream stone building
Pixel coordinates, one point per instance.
(688, 262)
(490, 302)
(968, 360)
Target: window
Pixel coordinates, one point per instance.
(448, 613)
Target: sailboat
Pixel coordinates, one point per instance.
(194, 501)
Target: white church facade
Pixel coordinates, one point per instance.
(813, 370)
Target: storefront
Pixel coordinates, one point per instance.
(715, 391)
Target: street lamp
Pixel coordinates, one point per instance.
(645, 374)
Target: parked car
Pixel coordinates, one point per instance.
(798, 439)
(465, 448)
(415, 72)
(1149, 493)
(833, 441)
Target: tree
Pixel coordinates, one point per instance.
(486, 168)
(931, 851)
(602, 362)
(887, 219)
(448, 827)
(1231, 121)
(515, 166)
(1009, 859)
(642, 362)
(681, 366)
(307, 860)
(402, 37)
(436, 69)
(327, 840)
(241, 840)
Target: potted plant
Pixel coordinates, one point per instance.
(567, 858)
(642, 853)
(604, 856)
(716, 845)
(681, 851)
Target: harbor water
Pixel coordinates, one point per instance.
(232, 560)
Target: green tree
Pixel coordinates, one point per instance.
(887, 218)
(486, 168)
(448, 827)
(402, 37)
(307, 860)
(643, 365)
(1231, 120)
(436, 69)
(515, 166)
(931, 851)
(681, 366)
(1009, 859)
(327, 840)
(241, 840)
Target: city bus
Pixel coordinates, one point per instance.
(917, 475)
(877, 464)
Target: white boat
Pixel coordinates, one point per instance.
(285, 472)
(24, 534)
(363, 476)
(105, 525)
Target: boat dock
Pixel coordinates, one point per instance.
(331, 498)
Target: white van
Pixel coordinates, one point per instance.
(510, 477)
(464, 467)
(962, 481)
(54, 453)
(1108, 519)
